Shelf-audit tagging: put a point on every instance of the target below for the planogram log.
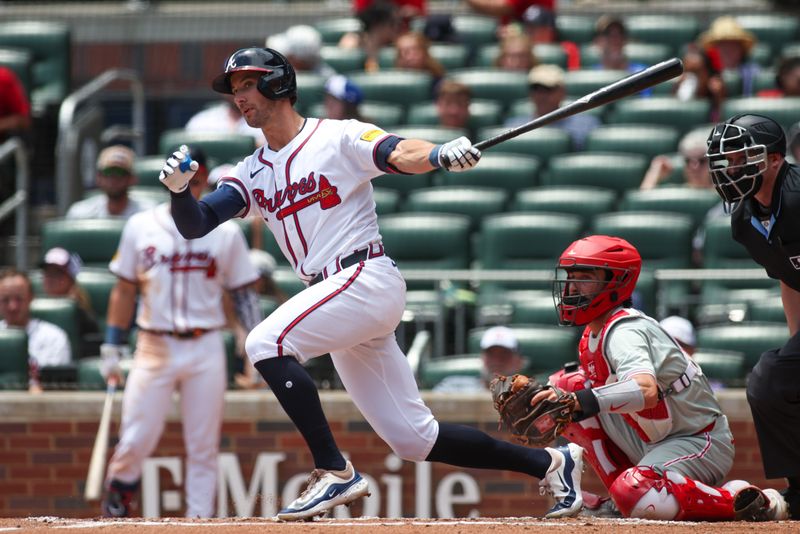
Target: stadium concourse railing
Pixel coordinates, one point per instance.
(18, 202)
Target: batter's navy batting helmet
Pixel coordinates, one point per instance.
(737, 154)
(278, 80)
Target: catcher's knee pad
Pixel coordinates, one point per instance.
(642, 492)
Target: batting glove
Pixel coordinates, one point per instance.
(178, 170)
(455, 156)
(110, 357)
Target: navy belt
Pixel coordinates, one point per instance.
(347, 261)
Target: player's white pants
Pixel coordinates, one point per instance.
(353, 315)
(197, 369)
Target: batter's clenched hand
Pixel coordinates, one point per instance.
(111, 355)
(178, 170)
(458, 155)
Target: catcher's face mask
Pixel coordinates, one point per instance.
(736, 163)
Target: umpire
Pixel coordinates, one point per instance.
(761, 190)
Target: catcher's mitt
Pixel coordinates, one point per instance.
(532, 425)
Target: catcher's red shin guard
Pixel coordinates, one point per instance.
(647, 493)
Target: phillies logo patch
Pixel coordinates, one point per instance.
(321, 190)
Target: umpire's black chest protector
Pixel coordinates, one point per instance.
(777, 250)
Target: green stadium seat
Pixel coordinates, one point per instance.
(434, 134)
(343, 60)
(585, 201)
(543, 143)
(524, 108)
(689, 201)
(474, 202)
(643, 53)
(21, 63)
(433, 371)
(62, 312)
(617, 171)
(386, 200)
(724, 365)
(672, 30)
(765, 80)
(404, 183)
(766, 310)
(750, 338)
(546, 348)
(541, 311)
(762, 54)
(267, 305)
(89, 377)
(790, 50)
(14, 362)
(664, 111)
(545, 53)
(638, 139)
(426, 240)
(450, 55)
(98, 283)
(94, 240)
(286, 279)
(784, 110)
(475, 30)
(310, 90)
(221, 147)
(403, 87)
(382, 114)
(581, 82)
(50, 44)
(332, 30)
(147, 169)
(511, 172)
(150, 194)
(576, 28)
(496, 305)
(482, 113)
(493, 84)
(266, 241)
(772, 29)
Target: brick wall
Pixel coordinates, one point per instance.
(46, 443)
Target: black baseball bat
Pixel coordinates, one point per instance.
(627, 86)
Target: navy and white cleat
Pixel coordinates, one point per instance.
(563, 481)
(326, 490)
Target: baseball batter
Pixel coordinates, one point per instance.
(311, 185)
(179, 346)
(651, 426)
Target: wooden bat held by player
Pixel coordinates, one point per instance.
(620, 89)
(97, 465)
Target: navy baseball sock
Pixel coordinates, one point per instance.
(469, 447)
(292, 385)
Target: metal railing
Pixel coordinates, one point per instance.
(18, 202)
(67, 148)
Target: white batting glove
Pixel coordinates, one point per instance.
(110, 357)
(457, 155)
(178, 170)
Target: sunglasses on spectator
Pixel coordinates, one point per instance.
(702, 160)
(115, 172)
(540, 87)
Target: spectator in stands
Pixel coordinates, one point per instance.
(695, 164)
(380, 26)
(301, 44)
(223, 118)
(47, 343)
(787, 79)
(414, 53)
(682, 331)
(516, 53)
(508, 11)
(499, 356)
(793, 143)
(540, 26)
(60, 270)
(15, 109)
(701, 79)
(114, 177)
(610, 38)
(342, 98)
(407, 9)
(730, 42)
(452, 105)
(547, 90)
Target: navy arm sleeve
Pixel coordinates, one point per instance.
(195, 219)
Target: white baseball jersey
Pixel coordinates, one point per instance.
(181, 281)
(315, 193)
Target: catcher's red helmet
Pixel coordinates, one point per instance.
(621, 262)
(278, 81)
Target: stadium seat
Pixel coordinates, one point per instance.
(404, 183)
(672, 30)
(643, 53)
(394, 86)
(790, 50)
(761, 53)
(475, 30)
(767, 310)
(635, 138)
(97, 282)
(147, 169)
(386, 200)
(765, 80)
(545, 53)
(585, 201)
(576, 28)
(450, 55)
(617, 171)
(266, 241)
(524, 108)
(546, 348)
(434, 134)
(784, 110)
(222, 147)
(14, 362)
(511, 172)
(21, 63)
(541, 311)
(665, 111)
(493, 84)
(89, 377)
(542, 143)
(773, 29)
(687, 200)
(62, 312)
(474, 202)
(286, 279)
(381, 114)
(50, 44)
(267, 305)
(724, 365)
(343, 60)
(433, 371)
(581, 82)
(426, 240)
(94, 240)
(331, 30)
(482, 113)
(750, 338)
(310, 90)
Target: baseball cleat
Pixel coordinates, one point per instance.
(326, 490)
(118, 499)
(563, 481)
(754, 504)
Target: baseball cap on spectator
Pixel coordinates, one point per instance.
(499, 336)
(115, 158)
(680, 329)
(263, 262)
(538, 16)
(605, 23)
(546, 75)
(303, 42)
(340, 87)
(69, 262)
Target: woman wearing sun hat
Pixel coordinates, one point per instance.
(727, 41)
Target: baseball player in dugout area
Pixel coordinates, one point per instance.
(179, 345)
(311, 185)
(761, 190)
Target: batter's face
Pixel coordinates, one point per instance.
(254, 107)
(15, 300)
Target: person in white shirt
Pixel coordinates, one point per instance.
(115, 176)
